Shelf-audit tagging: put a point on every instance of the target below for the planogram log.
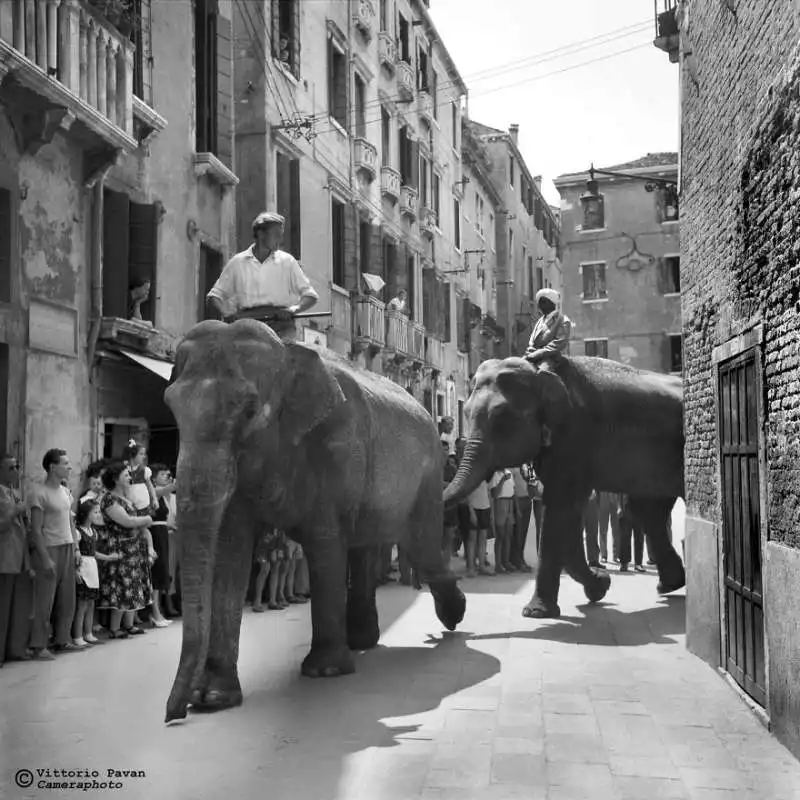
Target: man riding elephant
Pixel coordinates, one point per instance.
(551, 334)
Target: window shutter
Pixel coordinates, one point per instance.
(143, 251)
(295, 44)
(414, 165)
(377, 264)
(411, 286)
(6, 233)
(448, 333)
(294, 207)
(428, 290)
(588, 282)
(351, 266)
(116, 212)
(224, 87)
(661, 273)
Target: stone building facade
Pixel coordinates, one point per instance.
(349, 123)
(740, 283)
(115, 172)
(527, 232)
(621, 265)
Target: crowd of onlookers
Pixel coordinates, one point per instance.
(76, 572)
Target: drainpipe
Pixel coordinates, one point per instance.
(96, 271)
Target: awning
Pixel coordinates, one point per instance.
(161, 368)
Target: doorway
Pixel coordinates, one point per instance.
(113, 433)
(741, 523)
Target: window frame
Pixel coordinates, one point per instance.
(337, 47)
(584, 200)
(662, 265)
(596, 263)
(595, 341)
(671, 337)
(340, 249)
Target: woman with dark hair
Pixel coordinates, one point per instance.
(124, 584)
(159, 531)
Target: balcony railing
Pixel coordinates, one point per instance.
(462, 360)
(398, 332)
(72, 65)
(387, 50)
(428, 220)
(405, 80)
(365, 157)
(364, 18)
(667, 28)
(369, 326)
(425, 106)
(408, 201)
(390, 183)
(341, 311)
(417, 341)
(434, 354)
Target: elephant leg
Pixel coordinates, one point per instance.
(218, 686)
(327, 565)
(555, 520)
(363, 630)
(653, 514)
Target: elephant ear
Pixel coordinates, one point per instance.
(544, 391)
(312, 392)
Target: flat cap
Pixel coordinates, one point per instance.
(267, 217)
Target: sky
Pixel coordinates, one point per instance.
(614, 110)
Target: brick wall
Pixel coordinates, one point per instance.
(741, 235)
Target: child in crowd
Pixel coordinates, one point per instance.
(271, 560)
(87, 521)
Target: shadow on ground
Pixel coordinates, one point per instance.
(604, 625)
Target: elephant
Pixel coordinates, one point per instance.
(284, 434)
(585, 423)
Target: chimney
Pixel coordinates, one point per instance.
(537, 179)
(513, 131)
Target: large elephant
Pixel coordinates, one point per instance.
(275, 433)
(589, 424)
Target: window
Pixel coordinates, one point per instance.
(360, 104)
(532, 287)
(675, 352)
(409, 165)
(386, 138)
(491, 231)
(435, 200)
(667, 204)
(140, 37)
(434, 92)
(596, 347)
(337, 239)
(423, 83)
(6, 239)
(439, 404)
(594, 281)
(364, 242)
(511, 170)
(286, 34)
(130, 253)
(390, 272)
(669, 275)
(457, 224)
(424, 174)
(337, 83)
(594, 216)
(287, 174)
(405, 47)
(384, 14)
(411, 286)
(455, 125)
(210, 270)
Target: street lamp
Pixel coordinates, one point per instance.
(650, 183)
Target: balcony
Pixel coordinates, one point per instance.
(398, 333)
(667, 28)
(341, 311)
(364, 18)
(405, 81)
(417, 341)
(390, 183)
(369, 331)
(428, 221)
(365, 157)
(425, 106)
(387, 51)
(434, 353)
(66, 69)
(408, 201)
(462, 360)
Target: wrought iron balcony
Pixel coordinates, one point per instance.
(364, 18)
(387, 50)
(667, 28)
(390, 183)
(369, 330)
(64, 67)
(425, 106)
(428, 221)
(408, 201)
(365, 157)
(405, 81)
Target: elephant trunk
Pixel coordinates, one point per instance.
(206, 481)
(475, 467)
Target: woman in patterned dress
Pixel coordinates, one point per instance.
(124, 584)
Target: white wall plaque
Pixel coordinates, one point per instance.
(53, 328)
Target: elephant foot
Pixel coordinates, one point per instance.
(538, 609)
(216, 693)
(449, 602)
(671, 577)
(328, 662)
(597, 586)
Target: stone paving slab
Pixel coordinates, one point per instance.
(603, 703)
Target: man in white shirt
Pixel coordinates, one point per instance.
(502, 489)
(263, 276)
(475, 546)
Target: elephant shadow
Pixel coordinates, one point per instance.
(604, 625)
(319, 724)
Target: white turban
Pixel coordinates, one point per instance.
(551, 294)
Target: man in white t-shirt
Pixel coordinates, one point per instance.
(502, 491)
(263, 276)
(475, 547)
(55, 556)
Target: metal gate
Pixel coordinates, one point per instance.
(741, 507)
